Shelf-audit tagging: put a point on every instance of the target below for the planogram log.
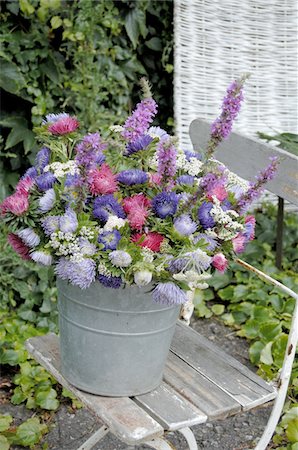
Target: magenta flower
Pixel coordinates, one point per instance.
(16, 204)
(24, 185)
(64, 125)
(102, 181)
(137, 210)
(19, 246)
(151, 240)
(220, 262)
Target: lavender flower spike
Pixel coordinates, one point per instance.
(166, 156)
(169, 294)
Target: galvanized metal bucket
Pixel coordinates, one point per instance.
(113, 342)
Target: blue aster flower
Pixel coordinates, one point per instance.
(132, 176)
(45, 181)
(140, 144)
(72, 180)
(50, 224)
(107, 205)
(47, 201)
(177, 265)
(185, 225)
(80, 274)
(31, 172)
(42, 158)
(165, 204)
(110, 282)
(109, 239)
(169, 294)
(204, 216)
(186, 179)
(190, 154)
(68, 223)
(211, 243)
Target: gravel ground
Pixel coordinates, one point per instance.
(68, 430)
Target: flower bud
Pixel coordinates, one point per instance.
(143, 277)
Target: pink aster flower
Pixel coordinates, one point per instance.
(152, 240)
(64, 125)
(16, 204)
(219, 192)
(155, 178)
(136, 208)
(220, 262)
(239, 243)
(24, 185)
(19, 246)
(102, 181)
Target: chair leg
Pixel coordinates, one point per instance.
(190, 438)
(96, 437)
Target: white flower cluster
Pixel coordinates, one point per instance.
(87, 233)
(192, 167)
(67, 244)
(234, 180)
(153, 161)
(116, 128)
(147, 254)
(114, 222)
(61, 169)
(193, 279)
(102, 270)
(230, 227)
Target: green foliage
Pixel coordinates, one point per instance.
(27, 434)
(81, 56)
(287, 141)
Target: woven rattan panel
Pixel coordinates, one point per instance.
(216, 41)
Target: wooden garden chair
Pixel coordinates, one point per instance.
(201, 383)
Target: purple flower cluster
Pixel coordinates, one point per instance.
(256, 188)
(45, 181)
(31, 172)
(42, 159)
(165, 204)
(80, 274)
(169, 294)
(105, 205)
(185, 225)
(50, 224)
(110, 282)
(132, 176)
(109, 239)
(190, 154)
(177, 265)
(140, 144)
(166, 156)
(89, 151)
(204, 216)
(186, 179)
(68, 223)
(137, 124)
(210, 242)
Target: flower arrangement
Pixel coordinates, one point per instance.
(133, 207)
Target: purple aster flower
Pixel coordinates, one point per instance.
(29, 237)
(140, 144)
(50, 224)
(137, 124)
(41, 257)
(31, 172)
(158, 132)
(107, 205)
(184, 197)
(132, 176)
(190, 154)
(185, 225)
(165, 204)
(72, 180)
(47, 201)
(42, 158)
(177, 265)
(211, 243)
(166, 156)
(169, 294)
(109, 239)
(204, 216)
(186, 179)
(89, 151)
(80, 274)
(68, 223)
(110, 282)
(45, 181)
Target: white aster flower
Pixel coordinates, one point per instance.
(29, 237)
(142, 277)
(41, 257)
(120, 258)
(114, 222)
(46, 202)
(147, 254)
(116, 128)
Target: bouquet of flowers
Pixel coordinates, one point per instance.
(133, 207)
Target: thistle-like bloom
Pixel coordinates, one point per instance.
(140, 144)
(16, 204)
(24, 185)
(220, 262)
(110, 282)
(257, 188)
(19, 246)
(120, 258)
(219, 192)
(165, 204)
(50, 224)
(63, 125)
(114, 222)
(184, 225)
(109, 239)
(68, 223)
(151, 240)
(102, 181)
(42, 257)
(169, 294)
(204, 216)
(137, 124)
(199, 260)
(186, 179)
(42, 159)
(29, 237)
(166, 156)
(89, 151)
(142, 277)
(137, 210)
(73, 180)
(105, 206)
(132, 176)
(45, 181)
(80, 274)
(47, 201)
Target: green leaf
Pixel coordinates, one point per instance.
(218, 309)
(255, 351)
(270, 330)
(4, 444)
(251, 329)
(154, 44)
(266, 355)
(47, 399)
(56, 22)
(30, 432)
(18, 396)
(5, 421)
(292, 430)
(15, 136)
(226, 293)
(11, 79)
(26, 7)
(132, 26)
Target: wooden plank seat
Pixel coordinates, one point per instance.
(201, 383)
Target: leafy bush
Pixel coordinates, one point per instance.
(81, 56)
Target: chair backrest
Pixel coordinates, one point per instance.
(246, 156)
